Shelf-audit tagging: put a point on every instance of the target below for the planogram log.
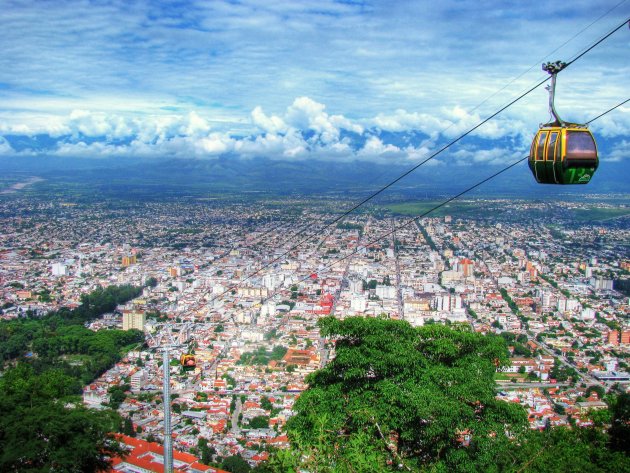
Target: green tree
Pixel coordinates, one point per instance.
(235, 464)
(127, 427)
(117, 395)
(398, 395)
(278, 352)
(259, 422)
(151, 282)
(620, 428)
(266, 404)
(601, 392)
(38, 433)
(561, 450)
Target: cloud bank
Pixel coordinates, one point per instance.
(304, 131)
(326, 79)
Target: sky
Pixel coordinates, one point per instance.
(387, 81)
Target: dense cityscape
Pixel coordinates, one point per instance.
(241, 286)
(333, 236)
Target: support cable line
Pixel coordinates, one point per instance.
(384, 188)
(536, 64)
(427, 212)
(411, 170)
(598, 42)
(607, 111)
(301, 231)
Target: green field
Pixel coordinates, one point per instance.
(467, 209)
(595, 214)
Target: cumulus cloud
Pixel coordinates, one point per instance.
(307, 114)
(447, 122)
(374, 148)
(616, 124)
(98, 124)
(289, 145)
(304, 117)
(401, 120)
(618, 153)
(270, 124)
(194, 125)
(304, 130)
(215, 143)
(5, 147)
(472, 155)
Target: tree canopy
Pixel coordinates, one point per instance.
(42, 427)
(399, 398)
(38, 433)
(409, 396)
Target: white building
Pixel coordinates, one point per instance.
(137, 380)
(59, 269)
(385, 292)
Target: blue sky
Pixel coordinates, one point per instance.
(340, 80)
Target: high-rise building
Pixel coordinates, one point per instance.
(128, 260)
(613, 337)
(59, 269)
(467, 267)
(625, 337)
(601, 284)
(448, 302)
(137, 380)
(133, 319)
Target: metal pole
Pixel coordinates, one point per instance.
(552, 96)
(553, 68)
(168, 440)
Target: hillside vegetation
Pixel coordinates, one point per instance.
(398, 398)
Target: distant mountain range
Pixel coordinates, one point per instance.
(229, 174)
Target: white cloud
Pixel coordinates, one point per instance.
(215, 143)
(618, 153)
(402, 120)
(98, 124)
(471, 155)
(463, 121)
(87, 150)
(5, 147)
(616, 124)
(304, 131)
(307, 114)
(375, 148)
(290, 145)
(270, 124)
(194, 125)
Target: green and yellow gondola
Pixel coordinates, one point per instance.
(562, 152)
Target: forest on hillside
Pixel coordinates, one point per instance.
(46, 362)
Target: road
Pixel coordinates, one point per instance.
(508, 386)
(237, 410)
(401, 309)
(585, 376)
(323, 352)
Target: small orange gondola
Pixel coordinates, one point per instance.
(562, 152)
(188, 361)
